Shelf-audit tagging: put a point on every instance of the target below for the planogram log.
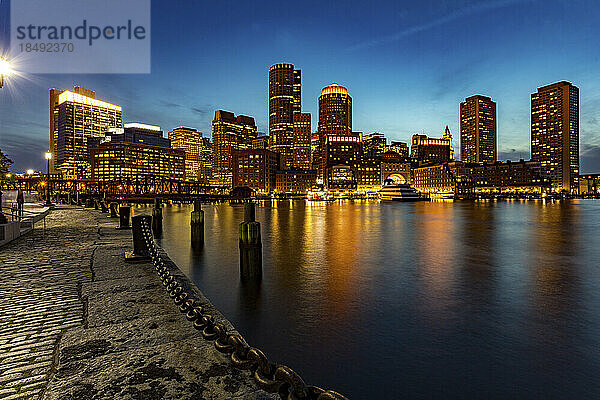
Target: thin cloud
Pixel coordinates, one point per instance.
(460, 13)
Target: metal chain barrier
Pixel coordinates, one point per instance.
(270, 377)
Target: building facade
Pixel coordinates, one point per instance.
(429, 151)
(400, 148)
(295, 181)
(230, 134)
(478, 130)
(255, 168)
(555, 133)
(335, 121)
(80, 118)
(284, 103)
(374, 144)
(54, 94)
(190, 141)
(136, 162)
(301, 144)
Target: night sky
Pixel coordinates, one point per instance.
(407, 66)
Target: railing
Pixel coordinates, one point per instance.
(270, 377)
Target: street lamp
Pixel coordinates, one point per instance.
(4, 70)
(48, 157)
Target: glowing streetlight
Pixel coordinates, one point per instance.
(4, 70)
(48, 157)
(29, 172)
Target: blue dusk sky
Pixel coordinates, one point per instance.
(407, 66)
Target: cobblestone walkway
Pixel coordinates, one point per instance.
(40, 298)
(78, 323)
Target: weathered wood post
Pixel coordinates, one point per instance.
(157, 218)
(250, 244)
(124, 213)
(140, 247)
(197, 225)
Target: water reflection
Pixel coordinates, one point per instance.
(440, 299)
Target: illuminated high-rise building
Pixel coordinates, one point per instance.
(190, 141)
(478, 130)
(229, 134)
(284, 103)
(301, 144)
(78, 118)
(54, 93)
(555, 133)
(335, 120)
(374, 144)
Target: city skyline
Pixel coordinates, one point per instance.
(397, 99)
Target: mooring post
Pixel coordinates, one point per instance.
(250, 244)
(114, 210)
(197, 225)
(103, 206)
(124, 213)
(96, 207)
(140, 247)
(157, 218)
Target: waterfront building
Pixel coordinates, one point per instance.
(261, 142)
(342, 150)
(451, 179)
(374, 144)
(555, 133)
(136, 162)
(509, 178)
(341, 178)
(54, 94)
(589, 185)
(255, 168)
(295, 181)
(284, 103)
(429, 151)
(335, 121)
(190, 141)
(478, 130)
(79, 117)
(399, 147)
(302, 141)
(369, 174)
(131, 133)
(393, 163)
(230, 134)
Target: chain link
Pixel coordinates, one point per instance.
(270, 377)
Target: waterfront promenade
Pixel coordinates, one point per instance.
(77, 322)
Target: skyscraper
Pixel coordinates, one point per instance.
(190, 141)
(284, 102)
(374, 144)
(80, 117)
(478, 130)
(229, 133)
(54, 93)
(429, 151)
(301, 143)
(335, 120)
(555, 133)
(448, 136)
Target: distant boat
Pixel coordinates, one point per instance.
(391, 191)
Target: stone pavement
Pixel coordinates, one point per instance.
(76, 322)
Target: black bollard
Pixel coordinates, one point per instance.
(250, 245)
(140, 252)
(197, 225)
(96, 205)
(157, 218)
(114, 210)
(124, 213)
(103, 206)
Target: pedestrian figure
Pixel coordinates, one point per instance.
(20, 202)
